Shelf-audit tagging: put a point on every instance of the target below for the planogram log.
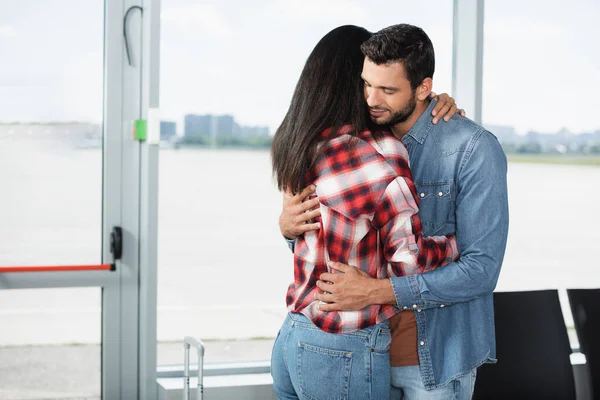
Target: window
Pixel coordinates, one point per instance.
(539, 78)
(51, 132)
(51, 78)
(228, 71)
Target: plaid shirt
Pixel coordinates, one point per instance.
(369, 220)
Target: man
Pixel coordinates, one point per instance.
(446, 328)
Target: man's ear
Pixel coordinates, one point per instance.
(424, 89)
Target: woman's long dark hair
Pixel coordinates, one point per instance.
(329, 94)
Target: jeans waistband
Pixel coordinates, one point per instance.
(302, 320)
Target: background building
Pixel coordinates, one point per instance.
(222, 130)
(168, 130)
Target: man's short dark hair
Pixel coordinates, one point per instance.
(403, 43)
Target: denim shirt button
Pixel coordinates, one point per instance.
(419, 310)
(422, 343)
(422, 195)
(414, 306)
(441, 306)
(440, 194)
(405, 308)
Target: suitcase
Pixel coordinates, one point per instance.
(199, 346)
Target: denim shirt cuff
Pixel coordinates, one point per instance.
(291, 243)
(406, 290)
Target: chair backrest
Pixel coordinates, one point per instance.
(585, 306)
(532, 347)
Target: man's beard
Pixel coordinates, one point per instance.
(401, 115)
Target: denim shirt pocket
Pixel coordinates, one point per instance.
(435, 201)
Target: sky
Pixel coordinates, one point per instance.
(541, 65)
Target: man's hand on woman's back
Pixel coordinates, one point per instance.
(298, 213)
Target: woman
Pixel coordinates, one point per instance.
(369, 219)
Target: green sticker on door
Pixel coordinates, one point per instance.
(139, 129)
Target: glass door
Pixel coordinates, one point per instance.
(69, 174)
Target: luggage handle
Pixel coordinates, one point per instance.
(188, 342)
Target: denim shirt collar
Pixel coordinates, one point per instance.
(420, 129)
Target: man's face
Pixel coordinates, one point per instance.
(388, 93)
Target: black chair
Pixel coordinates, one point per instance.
(585, 306)
(532, 347)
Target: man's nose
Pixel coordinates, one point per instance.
(371, 97)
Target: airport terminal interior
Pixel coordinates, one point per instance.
(139, 216)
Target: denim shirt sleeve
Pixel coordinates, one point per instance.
(291, 243)
(482, 229)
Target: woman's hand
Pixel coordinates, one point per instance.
(445, 107)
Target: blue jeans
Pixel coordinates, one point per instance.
(308, 363)
(407, 384)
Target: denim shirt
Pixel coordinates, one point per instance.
(459, 170)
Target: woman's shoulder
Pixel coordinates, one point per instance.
(351, 174)
(346, 152)
(393, 150)
(386, 145)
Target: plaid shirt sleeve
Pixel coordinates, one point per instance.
(404, 247)
(397, 220)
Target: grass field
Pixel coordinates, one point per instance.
(555, 159)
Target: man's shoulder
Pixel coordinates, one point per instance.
(457, 135)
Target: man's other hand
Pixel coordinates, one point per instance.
(445, 107)
(298, 213)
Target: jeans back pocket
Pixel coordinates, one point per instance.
(324, 374)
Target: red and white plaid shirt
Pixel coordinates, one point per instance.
(369, 220)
